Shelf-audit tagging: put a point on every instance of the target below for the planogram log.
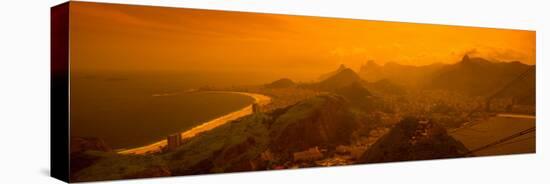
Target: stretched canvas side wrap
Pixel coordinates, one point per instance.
(145, 91)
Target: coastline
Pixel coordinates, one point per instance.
(206, 126)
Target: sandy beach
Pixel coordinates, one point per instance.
(206, 126)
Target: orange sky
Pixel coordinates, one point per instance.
(122, 37)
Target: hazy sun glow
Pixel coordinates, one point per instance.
(121, 37)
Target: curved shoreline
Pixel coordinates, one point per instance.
(259, 99)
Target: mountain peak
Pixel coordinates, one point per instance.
(281, 83)
(465, 58)
(347, 72)
(327, 75)
(474, 60)
(341, 78)
(342, 67)
(370, 64)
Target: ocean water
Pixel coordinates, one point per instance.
(133, 110)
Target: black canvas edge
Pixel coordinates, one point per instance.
(59, 92)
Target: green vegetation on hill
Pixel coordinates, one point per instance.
(224, 148)
(112, 166)
(324, 121)
(339, 120)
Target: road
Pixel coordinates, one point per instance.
(496, 128)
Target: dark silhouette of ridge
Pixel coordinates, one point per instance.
(281, 83)
(476, 76)
(340, 79)
(330, 74)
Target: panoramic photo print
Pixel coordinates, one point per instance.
(157, 91)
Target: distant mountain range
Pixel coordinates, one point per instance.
(347, 108)
(406, 75)
(477, 76)
(472, 75)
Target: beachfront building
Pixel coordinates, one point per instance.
(174, 141)
(255, 108)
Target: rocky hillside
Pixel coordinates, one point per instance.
(79, 148)
(313, 132)
(256, 142)
(325, 121)
(260, 141)
(414, 139)
(92, 160)
(340, 120)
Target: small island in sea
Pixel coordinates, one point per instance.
(172, 92)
